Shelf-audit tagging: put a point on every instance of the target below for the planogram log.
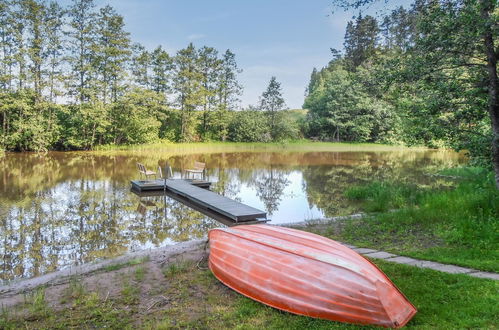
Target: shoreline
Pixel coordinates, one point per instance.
(159, 255)
(63, 276)
(57, 277)
(193, 147)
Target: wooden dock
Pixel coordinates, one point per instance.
(159, 184)
(191, 193)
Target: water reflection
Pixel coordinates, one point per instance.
(61, 209)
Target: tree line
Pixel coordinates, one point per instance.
(71, 78)
(426, 75)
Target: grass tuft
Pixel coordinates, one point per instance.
(176, 268)
(133, 262)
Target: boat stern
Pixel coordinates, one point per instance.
(397, 307)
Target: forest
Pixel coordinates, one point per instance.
(426, 75)
(71, 78)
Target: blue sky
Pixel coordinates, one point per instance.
(286, 39)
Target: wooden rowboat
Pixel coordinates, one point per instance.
(306, 274)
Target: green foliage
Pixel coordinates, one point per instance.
(83, 126)
(272, 102)
(26, 124)
(161, 66)
(437, 66)
(341, 110)
(361, 40)
(36, 304)
(135, 118)
(249, 126)
(286, 127)
(82, 45)
(254, 126)
(112, 51)
(115, 92)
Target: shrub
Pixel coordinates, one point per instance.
(249, 126)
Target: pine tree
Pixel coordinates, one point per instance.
(54, 22)
(112, 52)
(141, 66)
(229, 87)
(18, 22)
(187, 84)
(34, 17)
(209, 65)
(361, 40)
(314, 76)
(6, 46)
(161, 67)
(228, 91)
(82, 40)
(399, 29)
(272, 101)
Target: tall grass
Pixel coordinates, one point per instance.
(294, 145)
(460, 225)
(381, 196)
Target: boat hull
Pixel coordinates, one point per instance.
(306, 274)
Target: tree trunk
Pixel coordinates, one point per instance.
(487, 6)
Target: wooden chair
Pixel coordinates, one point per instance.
(168, 172)
(198, 169)
(143, 171)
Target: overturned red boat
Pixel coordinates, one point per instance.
(306, 274)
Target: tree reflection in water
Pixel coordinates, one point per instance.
(270, 184)
(63, 209)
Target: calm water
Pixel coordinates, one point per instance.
(63, 209)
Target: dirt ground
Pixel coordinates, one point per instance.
(109, 277)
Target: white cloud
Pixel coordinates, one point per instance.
(195, 36)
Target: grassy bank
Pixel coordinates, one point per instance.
(457, 225)
(184, 294)
(298, 145)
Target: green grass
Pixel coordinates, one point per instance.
(195, 299)
(438, 297)
(35, 303)
(458, 225)
(130, 293)
(298, 145)
(133, 262)
(444, 301)
(140, 273)
(74, 291)
(176, 268)
(384, 196)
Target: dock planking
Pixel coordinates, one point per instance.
(215, 202)
(212, 214)
(192, 194)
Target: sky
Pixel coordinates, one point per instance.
(286, 39)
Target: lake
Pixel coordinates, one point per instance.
(60, 209)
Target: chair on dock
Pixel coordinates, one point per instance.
(143, 171)
(168, 172)
(198, 169)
